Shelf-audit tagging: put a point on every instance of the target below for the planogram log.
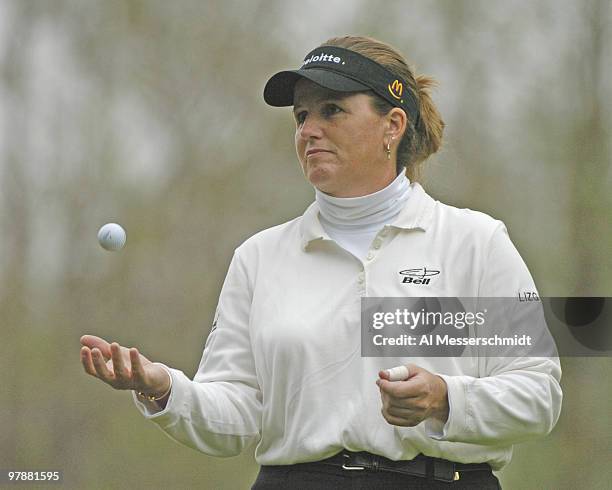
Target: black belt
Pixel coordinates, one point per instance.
(421, 465)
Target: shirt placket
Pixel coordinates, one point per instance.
(366, 263)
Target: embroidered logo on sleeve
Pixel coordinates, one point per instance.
(215, 321)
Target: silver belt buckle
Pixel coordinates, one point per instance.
(349, 466)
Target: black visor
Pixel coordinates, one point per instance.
(342, 70)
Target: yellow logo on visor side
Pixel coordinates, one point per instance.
(396, 89)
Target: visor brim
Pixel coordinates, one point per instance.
(278, 92)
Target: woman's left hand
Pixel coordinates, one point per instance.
(421, 396)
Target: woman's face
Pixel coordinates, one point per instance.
(340, 141)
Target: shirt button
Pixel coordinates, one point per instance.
(370, 255)
(377, 243)
(361, 277)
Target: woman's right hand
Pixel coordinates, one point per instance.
(122, 368)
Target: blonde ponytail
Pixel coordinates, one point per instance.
(430, 127)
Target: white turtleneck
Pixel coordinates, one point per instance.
(353, 222)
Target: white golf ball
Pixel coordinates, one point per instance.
(112, 237)
(399, 373)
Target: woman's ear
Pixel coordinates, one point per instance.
(397, 122)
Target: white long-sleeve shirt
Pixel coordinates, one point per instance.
(282, 365)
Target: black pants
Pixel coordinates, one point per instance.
(296, 477)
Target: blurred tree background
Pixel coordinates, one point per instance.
(150, 114)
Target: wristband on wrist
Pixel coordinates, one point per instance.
(153, 398)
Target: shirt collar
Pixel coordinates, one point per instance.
(417, 214)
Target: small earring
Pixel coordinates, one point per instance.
(389, 151)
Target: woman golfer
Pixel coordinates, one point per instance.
(282, 366)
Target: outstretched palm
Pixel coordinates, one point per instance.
(120, 367)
